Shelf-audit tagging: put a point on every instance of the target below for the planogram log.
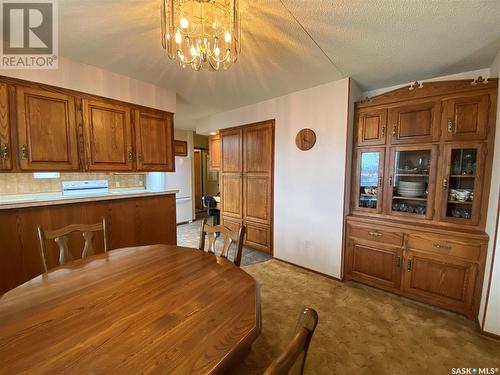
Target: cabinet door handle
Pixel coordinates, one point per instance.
(409, 265)
(394, 130)
(139, 157)
(383, 131)
(445, 183)
(4, 151)
(130, 156)
(380, 181)
(390, 181)
(450, 126)
(398, 262)
(441, 246)
(22, 152)
(375, 234)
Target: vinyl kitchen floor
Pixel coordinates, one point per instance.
(189, 235)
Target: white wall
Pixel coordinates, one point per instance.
(188, 136)
(308, 186)
(492, 319)
(92, 80)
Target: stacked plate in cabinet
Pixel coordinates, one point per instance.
(411, 189)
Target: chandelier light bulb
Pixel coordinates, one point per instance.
(178, 37)
(184, 23)
(217, 51)
(227, 38)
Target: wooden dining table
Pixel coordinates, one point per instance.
(152, 309)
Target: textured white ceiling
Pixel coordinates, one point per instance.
(377, 42)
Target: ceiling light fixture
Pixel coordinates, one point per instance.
(204, 34)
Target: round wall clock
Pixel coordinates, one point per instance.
(305, 139)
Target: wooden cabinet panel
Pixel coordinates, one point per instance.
(214, 147)
(231, 223)
(5, 143)
(445, 246)
(258, 149)
(180, 148)
(154, 136)
(374, 234)
(258, 236)
(376, 265)
(232, 195)
(465, 118)
(129, 221)
(108, 136)
(257, 193)
(47, 131)
(442, 280)
(372, 128)
(415, 123)
(232, 155)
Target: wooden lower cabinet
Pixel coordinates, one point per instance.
(257, 236)
(129, 221)
(376, 265)
(443, 269)
(441, 280)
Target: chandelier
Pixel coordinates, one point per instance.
(204, 34)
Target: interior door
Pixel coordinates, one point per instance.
(231, 180)
(380, 265)
(5, 144)
(465, 118)
(372, 128)
(47, 131)
(415, 123)
(461, 184)
(369, 180)
(441, 280)
(108, 136)
(257, 172)
(198, 180)
(154, 137)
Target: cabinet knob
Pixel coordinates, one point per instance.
(383, 131)
(409, 265)
(139, 157)
(390, 180)
(394, 130)
(4, 151)
(441, 246)
(130, 156)
(380, 181)
(445, 183)
(398, 262)
(22, 152)
(450, 126)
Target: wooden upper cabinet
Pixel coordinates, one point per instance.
(258, 148)
(231, 145)
(465, 118)
(5, 143)
(372, 128)
(214, 151)
(47, 131)
(180, 148)
(154, 139)
(414, 123)
(108, 136)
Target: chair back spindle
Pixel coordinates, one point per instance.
(61, 238)
(229, 237)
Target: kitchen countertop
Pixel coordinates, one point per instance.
(49, 199)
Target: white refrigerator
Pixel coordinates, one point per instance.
(180, 180)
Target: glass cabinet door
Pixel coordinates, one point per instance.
(369, 180)
(411, 185)
(460, 200)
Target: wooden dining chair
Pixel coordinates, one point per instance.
(60, 236)
(293, 359)
(228, 236)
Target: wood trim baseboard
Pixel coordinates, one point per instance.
(310, 270)
(489, 334)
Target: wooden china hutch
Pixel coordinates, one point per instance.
(421, 173)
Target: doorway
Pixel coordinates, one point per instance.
(206, 181)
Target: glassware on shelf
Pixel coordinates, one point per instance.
(369, 179)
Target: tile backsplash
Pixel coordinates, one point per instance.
(25, 183)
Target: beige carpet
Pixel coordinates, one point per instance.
(362, 330)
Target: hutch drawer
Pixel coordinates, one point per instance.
(375, 234)
(445, 246)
